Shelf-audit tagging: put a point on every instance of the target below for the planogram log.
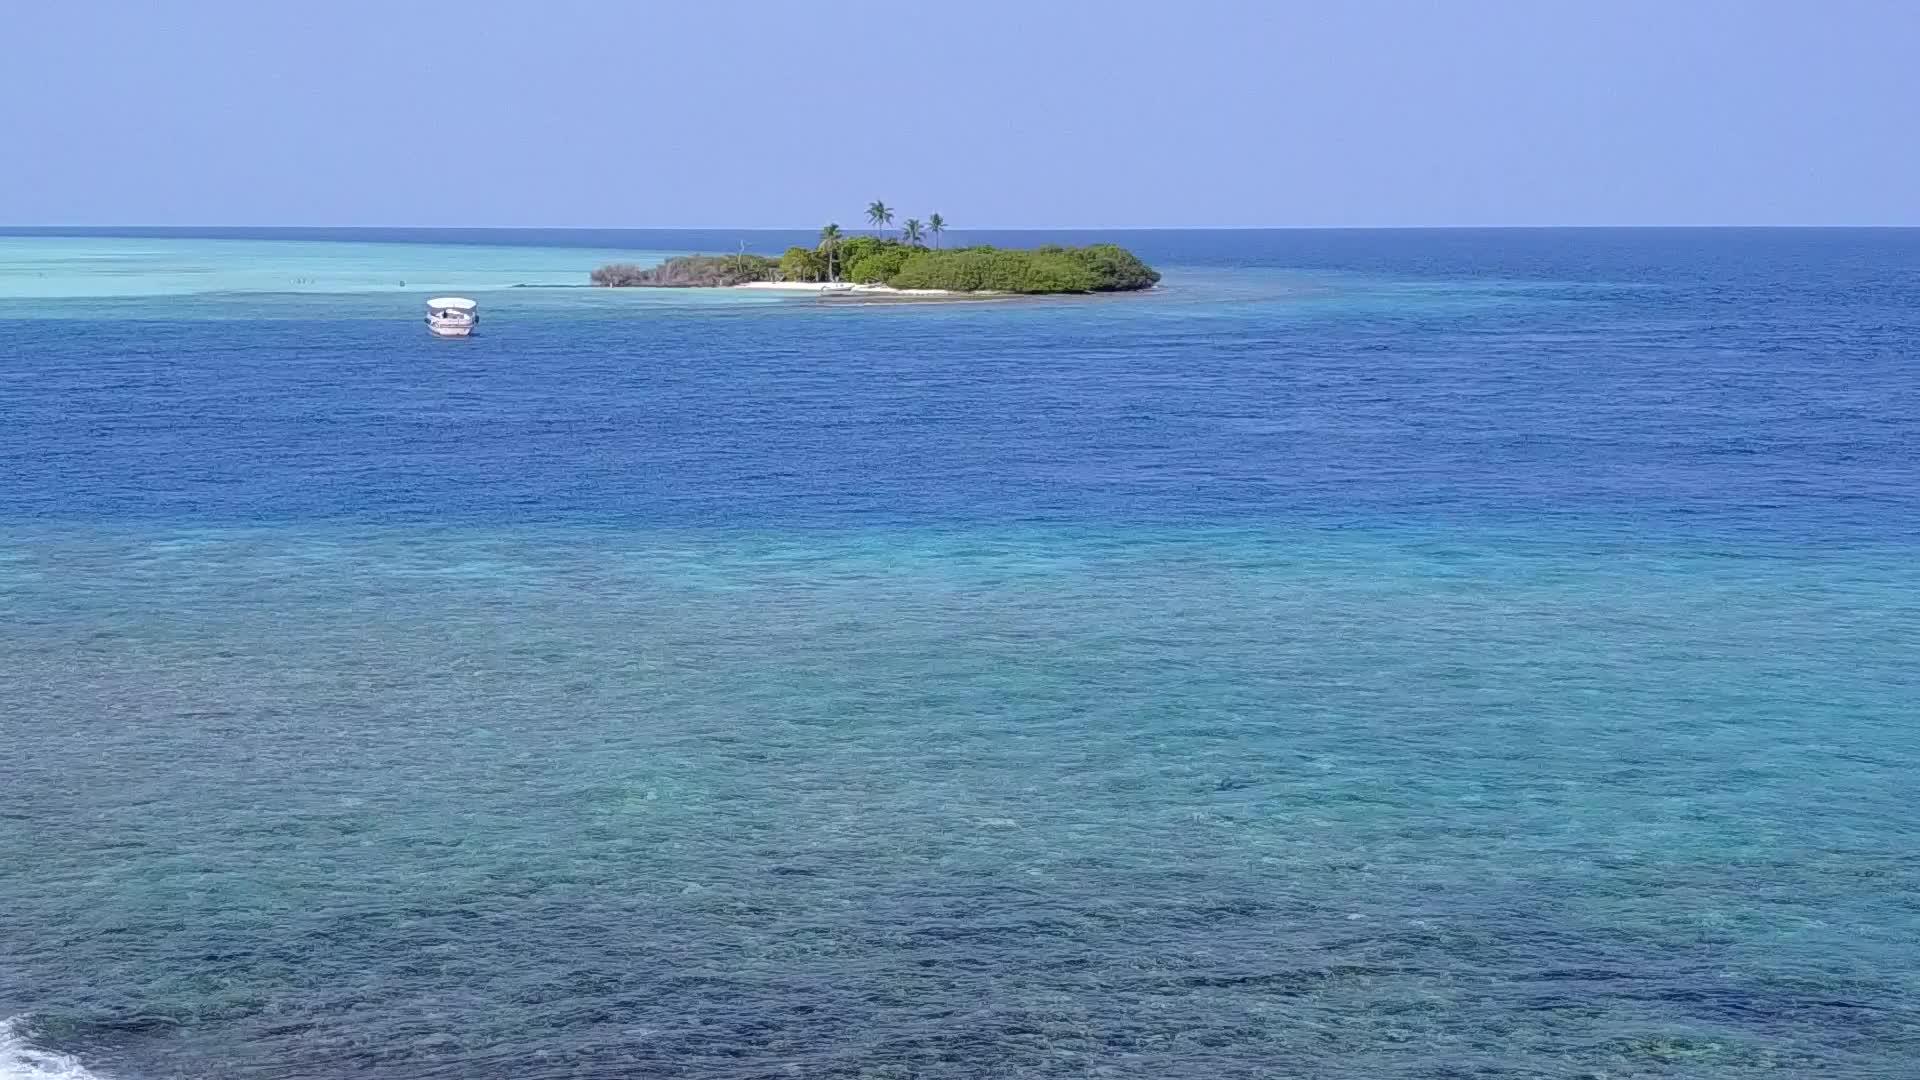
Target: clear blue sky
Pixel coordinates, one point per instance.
(1037, 113)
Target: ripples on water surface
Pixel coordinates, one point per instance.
(1378, 654)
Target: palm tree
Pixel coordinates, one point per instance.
(936, 225)
(911, 232)
(830, 239)
(880, 215)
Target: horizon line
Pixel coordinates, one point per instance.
(4, 227)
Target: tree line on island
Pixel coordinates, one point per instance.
(905, 263)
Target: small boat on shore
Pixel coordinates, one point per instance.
(452, 316)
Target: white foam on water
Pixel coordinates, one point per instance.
(21, 1061)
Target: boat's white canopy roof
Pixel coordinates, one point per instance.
(457, 303)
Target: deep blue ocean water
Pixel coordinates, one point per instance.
(1374, 654)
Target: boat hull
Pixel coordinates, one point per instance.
(449, 329)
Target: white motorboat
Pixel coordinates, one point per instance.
(452, 316)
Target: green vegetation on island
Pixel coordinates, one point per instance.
(905, 263)
(690, 271)
(872, 260)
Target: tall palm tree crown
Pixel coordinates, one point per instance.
(880, 214)
(911, 232)
(936, 225)
(830, 239)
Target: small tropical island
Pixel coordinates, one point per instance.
(912, 264)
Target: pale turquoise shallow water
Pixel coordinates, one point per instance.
(1392, 655)
(52, 267)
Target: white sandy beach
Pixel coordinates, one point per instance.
(822, 286)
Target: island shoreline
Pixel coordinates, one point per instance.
(881, 267)
(841, 293)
